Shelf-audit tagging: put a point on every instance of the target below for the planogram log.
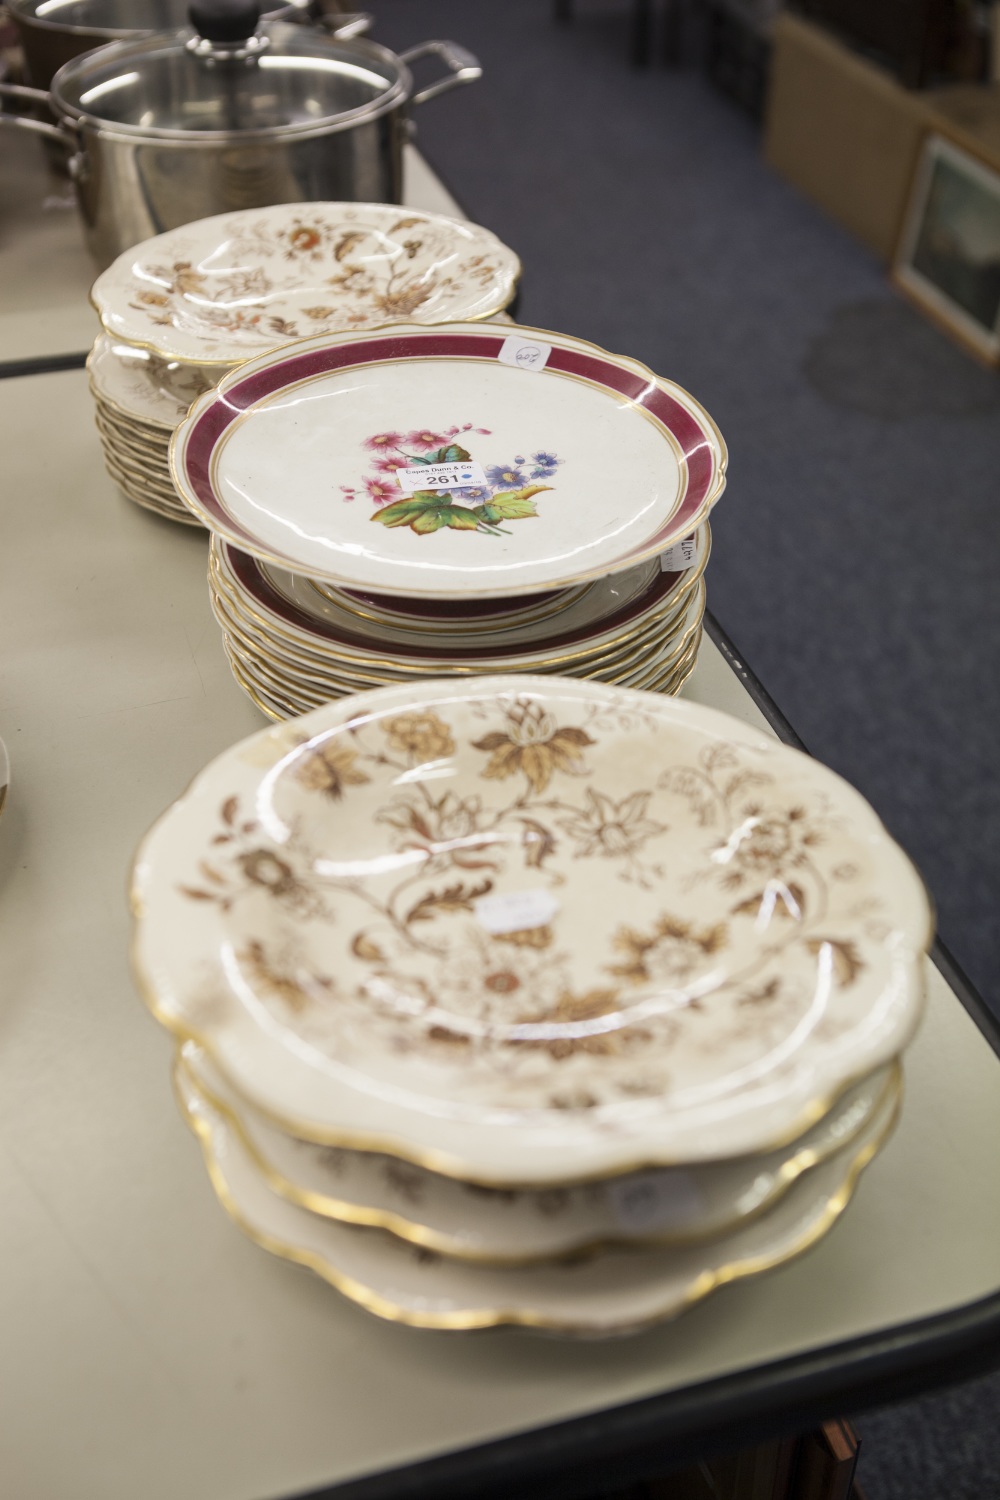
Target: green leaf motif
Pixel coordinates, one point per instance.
(427, 511)
(424, 513)
(512, 505)
(458, 517)
(403, 512)
(451, 454)
(506, 508)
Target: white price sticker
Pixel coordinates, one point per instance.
(682, 555)
(655, 1200)
(526, 354)
(516, 911)
(441, 477)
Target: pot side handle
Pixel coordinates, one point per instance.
(343, 27)
(463, 67)
(63, 133)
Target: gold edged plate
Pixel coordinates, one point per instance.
(268, 620)
(656, 637)
(224, 289)
(611, 463)
(677, 1206)
(142, 388)
(283, 694)
(606, 1295)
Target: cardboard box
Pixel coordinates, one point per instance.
(843, 131)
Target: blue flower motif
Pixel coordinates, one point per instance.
(479, 495)
(504, 477)
(546, 460)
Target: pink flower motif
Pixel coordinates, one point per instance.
(423, 439)
(467, 427)
(380, 491)
(452, 431)
(383, 440)
(486, 431)
(389, 465)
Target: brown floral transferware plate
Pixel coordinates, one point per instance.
(144, 387)
(605, 1295)
(530, 930)
(676, 1205)
(227, 288)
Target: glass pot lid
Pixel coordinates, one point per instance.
(120, 18)
(227, 74)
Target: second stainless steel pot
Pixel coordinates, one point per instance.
(182, 125)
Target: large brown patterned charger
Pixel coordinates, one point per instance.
(527, 930)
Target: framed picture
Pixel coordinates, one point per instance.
(948, 256)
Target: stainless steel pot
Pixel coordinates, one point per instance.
(184, 124)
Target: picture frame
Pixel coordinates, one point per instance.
(948, 252)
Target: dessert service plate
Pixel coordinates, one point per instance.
(287, 607)
(579, 652)
(280, 695)
(292, 646)
(673, 1206)
(609, 1294)
(502, 925)
(226, 288)
(432, 463)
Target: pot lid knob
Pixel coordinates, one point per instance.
(224, 20)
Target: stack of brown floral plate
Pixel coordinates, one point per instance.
(548, 515)
(532, 1001)
(180, 310)
(139, 398)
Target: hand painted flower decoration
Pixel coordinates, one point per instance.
(424, 440)
(507, 477)
(381, 490)
(483, 508)
(545, 464)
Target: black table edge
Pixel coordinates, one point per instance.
(586, 1455)
(42, 364)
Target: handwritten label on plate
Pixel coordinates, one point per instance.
(648, 1201)
(682, 555)
(515, 911)
(526, 354)
(440, 477)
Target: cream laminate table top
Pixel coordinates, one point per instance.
(147, 1348)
